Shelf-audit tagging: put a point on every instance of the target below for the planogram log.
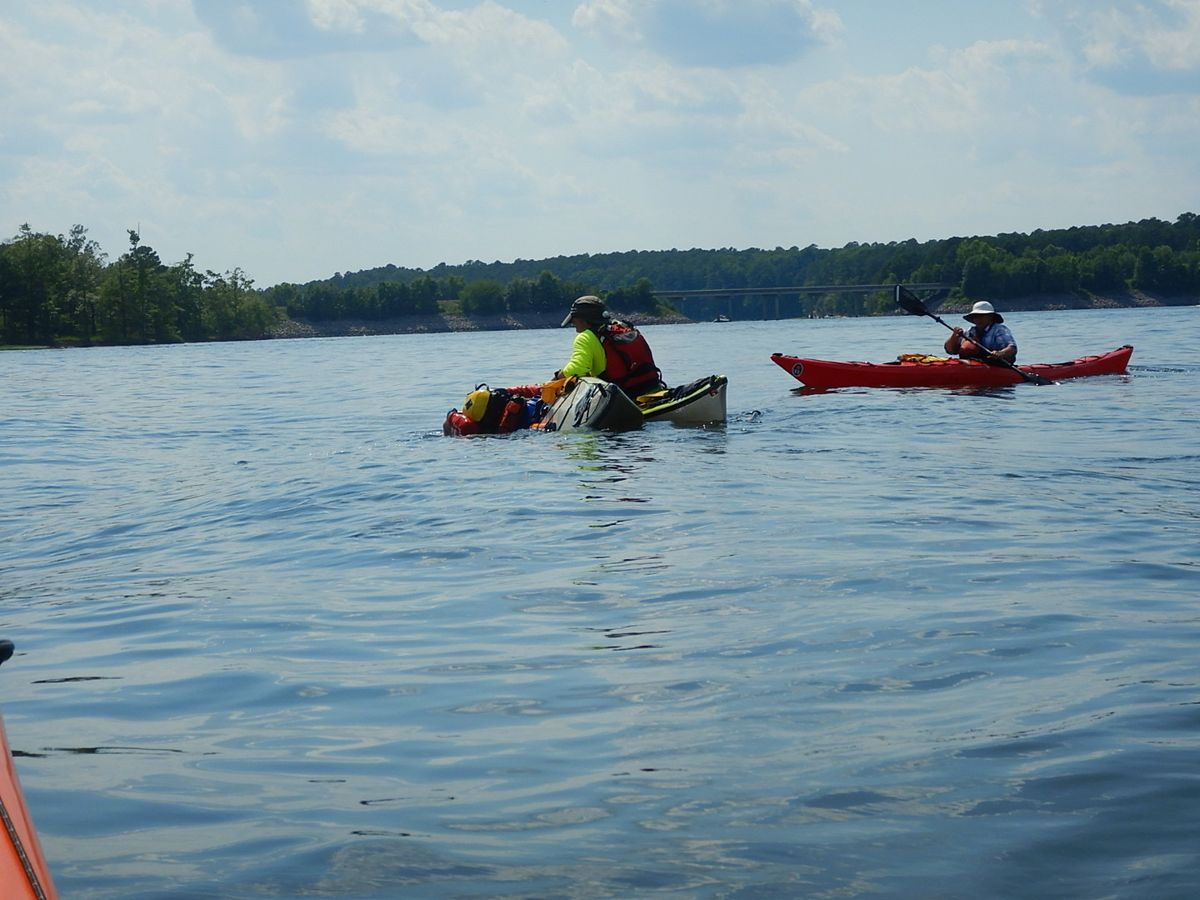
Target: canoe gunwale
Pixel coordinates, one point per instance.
(699, 402)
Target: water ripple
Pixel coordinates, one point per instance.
(278, 637)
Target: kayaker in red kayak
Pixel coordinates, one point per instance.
(987, 330)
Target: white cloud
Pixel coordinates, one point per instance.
(613, 18)
(1146, 48)
(713, 33)
(337, 15)
(1166, 36)
(298, 139)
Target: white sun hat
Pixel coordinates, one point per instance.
(982, 308)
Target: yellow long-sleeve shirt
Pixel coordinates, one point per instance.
(587, 355)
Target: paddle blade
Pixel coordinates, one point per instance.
(1031, 377)
(909, 302)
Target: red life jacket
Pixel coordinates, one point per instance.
(630, 364)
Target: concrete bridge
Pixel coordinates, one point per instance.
(770, 296)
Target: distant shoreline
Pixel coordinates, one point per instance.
(299, 328)
(440, 324)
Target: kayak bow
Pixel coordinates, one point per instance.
(24, 874)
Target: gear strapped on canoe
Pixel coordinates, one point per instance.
(488, 410)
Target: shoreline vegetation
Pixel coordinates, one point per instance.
(432, 324)
(62, 291)
(288, 328)
(441, 323)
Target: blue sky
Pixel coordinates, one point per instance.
(298, 138)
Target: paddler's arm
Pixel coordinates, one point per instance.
(585, 351)
(1007, 353)
(959, 344)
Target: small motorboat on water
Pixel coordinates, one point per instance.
(913, 370)
(575, 404)
(24, 874)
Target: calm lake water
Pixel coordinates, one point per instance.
(277, 637)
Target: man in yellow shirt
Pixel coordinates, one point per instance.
(587, 353)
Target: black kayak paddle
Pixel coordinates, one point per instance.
(911, 303)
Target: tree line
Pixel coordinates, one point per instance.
(1151, 255)
(61, 289)
(424, 294)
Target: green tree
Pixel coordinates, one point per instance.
(285, 296)
(136, 303)
(117, 313)
(639, 298)
(83, 272)
(518, 295)
(393, 299)
(232, 310)
(1147, 272)
(1062, 273)
(188, 288)
(32, 287)
(547, 293)
(983, 268)
(1106, 268)
(424, 294)
(482, 298)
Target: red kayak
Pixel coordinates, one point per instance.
(24, 874)
(940, 372)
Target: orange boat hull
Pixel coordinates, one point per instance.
(23, 870)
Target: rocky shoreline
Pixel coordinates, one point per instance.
(299, 328)
(1130, 299)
